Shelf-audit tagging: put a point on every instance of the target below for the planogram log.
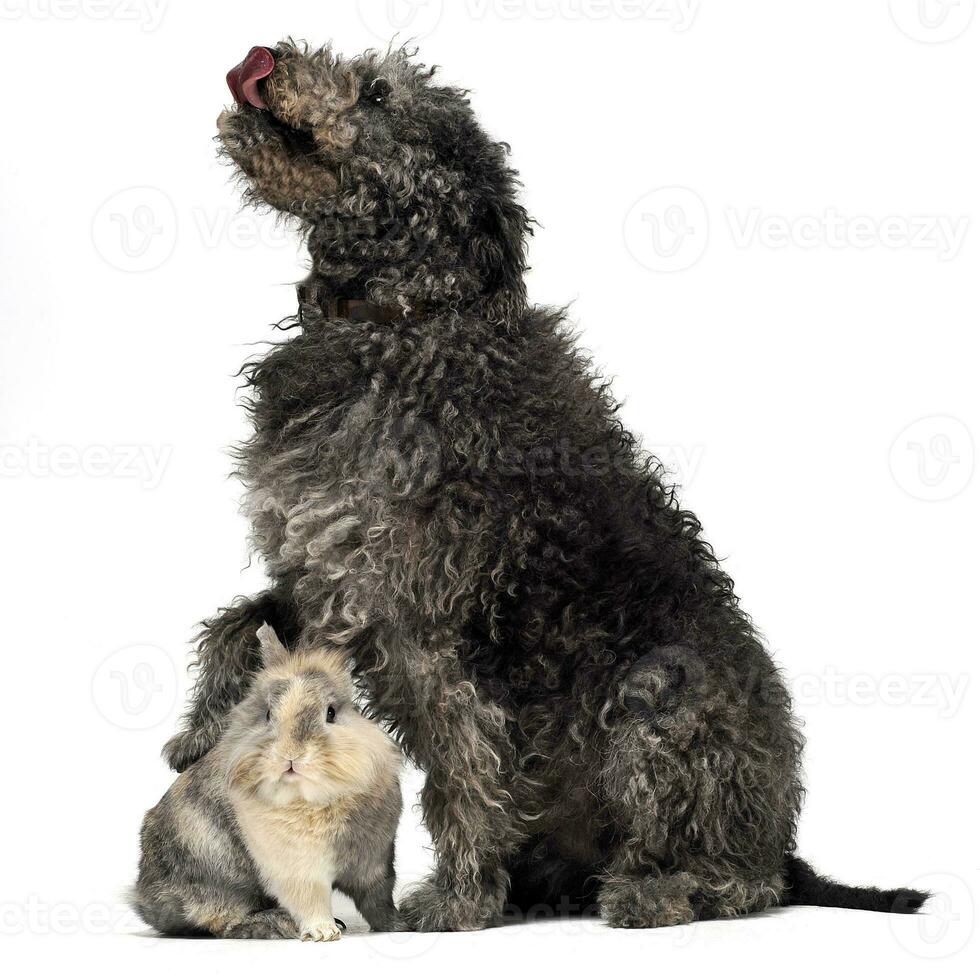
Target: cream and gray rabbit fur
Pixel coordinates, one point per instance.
(299, 796)
(439, 482)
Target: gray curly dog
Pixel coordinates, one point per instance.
(438, 482)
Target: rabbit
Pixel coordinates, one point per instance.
(300, 795)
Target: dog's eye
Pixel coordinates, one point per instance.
(377, 92)
(331, 715)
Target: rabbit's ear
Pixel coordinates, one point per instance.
(273, 652)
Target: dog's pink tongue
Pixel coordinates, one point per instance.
(243, 79)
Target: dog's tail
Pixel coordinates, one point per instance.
(806, 887)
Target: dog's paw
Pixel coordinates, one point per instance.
(648, 902)
(320, 932)
(185, 748)
(271, 924)
(431, 907)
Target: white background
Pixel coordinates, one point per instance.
(798, 342)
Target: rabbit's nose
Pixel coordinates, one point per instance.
(244, 78)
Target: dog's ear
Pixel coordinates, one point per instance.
(505, 248)
(273, 652)
(498, 244)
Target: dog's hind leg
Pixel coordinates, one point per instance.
(227, 654)
(700, 777)
(648, 900)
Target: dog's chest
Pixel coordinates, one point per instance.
(307, 500)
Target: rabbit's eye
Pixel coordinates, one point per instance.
(268, 715)
(331, 715)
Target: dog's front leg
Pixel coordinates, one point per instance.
(227, 653)
(460, 738)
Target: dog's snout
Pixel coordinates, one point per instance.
(244, 78)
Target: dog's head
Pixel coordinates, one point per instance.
(403, 197)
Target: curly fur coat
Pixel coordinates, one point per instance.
(442, 485)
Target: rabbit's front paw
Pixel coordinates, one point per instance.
(320, 932)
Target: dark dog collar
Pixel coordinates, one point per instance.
(363, 310)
